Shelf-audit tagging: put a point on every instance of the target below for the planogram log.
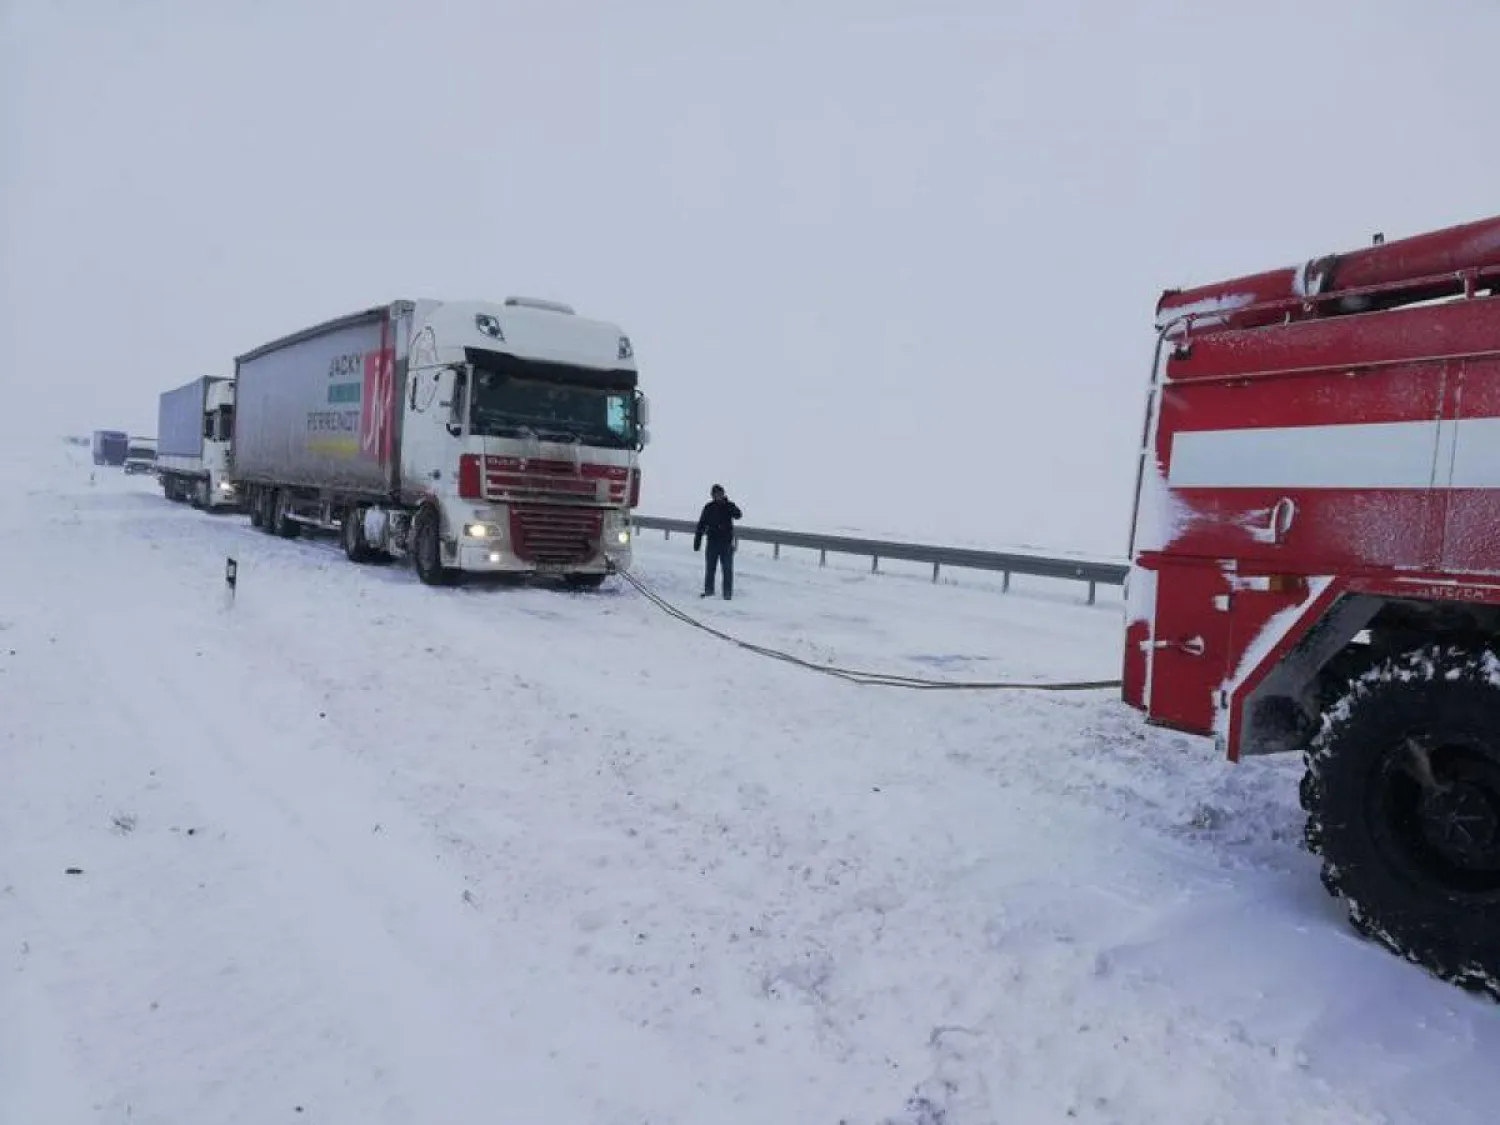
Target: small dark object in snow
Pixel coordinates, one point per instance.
(73, 871)
(192, 832)
(874, 789)
(322, 714)
(298, 1108)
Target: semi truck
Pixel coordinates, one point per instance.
(194, 430)
(1316, 567)
(461, 436)
(140, 455)
(110, 447)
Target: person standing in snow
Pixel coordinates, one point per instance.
(716, 524)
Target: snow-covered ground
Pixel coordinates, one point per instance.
(353, 850)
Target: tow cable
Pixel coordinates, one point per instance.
(853, 675)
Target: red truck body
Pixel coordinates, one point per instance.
(1319, 491)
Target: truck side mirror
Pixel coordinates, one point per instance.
(455, 403)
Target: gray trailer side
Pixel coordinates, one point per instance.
(307, 407)
(179, 420)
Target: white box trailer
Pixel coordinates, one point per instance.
(465, 436)
(194, 426)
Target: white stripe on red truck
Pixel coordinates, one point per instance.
(1383, 455)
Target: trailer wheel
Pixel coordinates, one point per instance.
(266, 501)
(1403, 796)
(257, 510)
(426, 550)
(281, 524)
(352, 533)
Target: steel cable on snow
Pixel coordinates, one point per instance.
(854, 675)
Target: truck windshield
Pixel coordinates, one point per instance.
(504, 406)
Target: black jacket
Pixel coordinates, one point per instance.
(717, 522)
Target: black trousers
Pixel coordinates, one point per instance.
(721, 555)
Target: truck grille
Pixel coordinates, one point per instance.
(513, 477)
(555, 536)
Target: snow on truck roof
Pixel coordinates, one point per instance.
(508, 326)
(1423, 267)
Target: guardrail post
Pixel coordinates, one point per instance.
(934, 571)
(1093, 592)
(666, 533)
(874, 564)
(1005, 582)
(776, 550)
(823, 557)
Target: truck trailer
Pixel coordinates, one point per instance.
(194, 429)
(1316, 567)
(498, 438)
(110, 447)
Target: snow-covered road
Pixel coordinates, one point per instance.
(354, 850)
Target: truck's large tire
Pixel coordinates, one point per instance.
(257, 508)
(1403, 797)
(281, 524)
(427, 550)
(352, 534)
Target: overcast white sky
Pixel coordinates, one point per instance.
(887, 265)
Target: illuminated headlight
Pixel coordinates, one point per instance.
(225, 486)
(622, 537)
(481, 531)
(494, 556)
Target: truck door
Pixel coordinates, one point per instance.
(1189, 644)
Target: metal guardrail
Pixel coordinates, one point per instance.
(1095, 574)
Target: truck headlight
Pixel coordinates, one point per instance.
(481, 531)
(622, 536)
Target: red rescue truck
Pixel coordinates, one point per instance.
(1316, 567)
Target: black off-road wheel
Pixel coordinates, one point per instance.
(427, 550)
(1402, 792)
